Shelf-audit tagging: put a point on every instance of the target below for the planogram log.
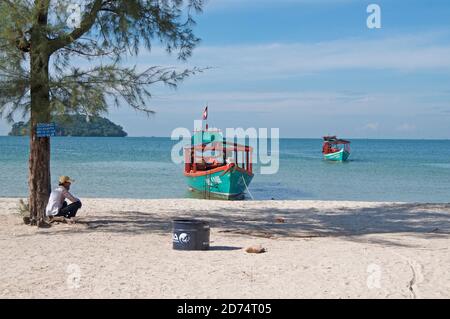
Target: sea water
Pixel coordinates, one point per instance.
(378, 170)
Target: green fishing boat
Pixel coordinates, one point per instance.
(215, 168)
(335, 149)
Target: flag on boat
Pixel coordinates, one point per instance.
(205, 113)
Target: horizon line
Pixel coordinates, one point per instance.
(281, 138)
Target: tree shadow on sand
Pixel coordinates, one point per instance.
(425, 220)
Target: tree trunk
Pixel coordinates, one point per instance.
(39, 162)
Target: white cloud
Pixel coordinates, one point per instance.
(283, 60)
(249, 64)
(406, 127)
(371, 126)
(234, 4)
(368, 107)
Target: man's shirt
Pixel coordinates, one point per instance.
(56, 200)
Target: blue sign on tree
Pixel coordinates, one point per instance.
(46, 129)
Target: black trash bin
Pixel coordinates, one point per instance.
(190, 234)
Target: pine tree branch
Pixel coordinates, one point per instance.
(42, 12)
(22, 42)
(20, 13)
(85, 26)
(99, 53)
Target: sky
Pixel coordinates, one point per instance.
(309, 68)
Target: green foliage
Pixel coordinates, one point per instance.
(76, 125)
(109, 32)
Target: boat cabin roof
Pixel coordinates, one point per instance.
(214, 146)
(335, 140)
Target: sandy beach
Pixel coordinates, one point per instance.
(121, 248)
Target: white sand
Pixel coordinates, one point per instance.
(122, 248)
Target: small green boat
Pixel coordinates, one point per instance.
(335, 149)
(215, 168)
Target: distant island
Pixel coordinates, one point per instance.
(76, 125)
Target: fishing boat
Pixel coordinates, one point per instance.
(215, 168)
(335, 149)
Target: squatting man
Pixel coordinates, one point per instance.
(57, 205)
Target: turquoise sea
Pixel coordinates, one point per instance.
(379, 170)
